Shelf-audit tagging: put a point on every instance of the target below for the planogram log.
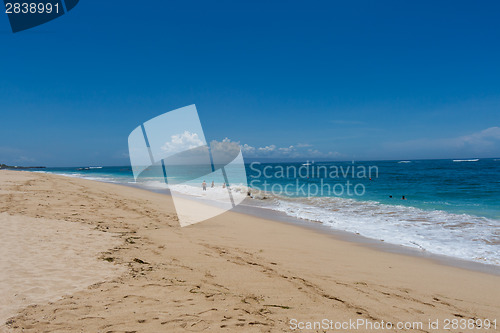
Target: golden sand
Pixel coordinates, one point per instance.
(233, 273)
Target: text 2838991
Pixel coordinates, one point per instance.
(31, 8)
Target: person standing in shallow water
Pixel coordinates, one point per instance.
(204, 186)
(213, 184)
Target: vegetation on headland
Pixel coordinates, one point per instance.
(5, 166)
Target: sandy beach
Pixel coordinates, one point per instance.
(111, 258)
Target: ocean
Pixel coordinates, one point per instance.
(451, 207)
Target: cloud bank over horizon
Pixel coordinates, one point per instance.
(481, 144)
(484, 143)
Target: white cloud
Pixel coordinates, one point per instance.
(225, 150)
(267, 149)
(486, 141)
(300, 150)
(248, 149)
(486, 137)
(182, 142)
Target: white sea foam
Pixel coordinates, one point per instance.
(404, 162)
(195, 190)
(83, 176)
(471, 160)
(217, 193)
(153, 184)
(462, 236)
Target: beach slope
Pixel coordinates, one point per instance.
(231, 273)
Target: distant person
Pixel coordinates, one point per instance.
(213, 184)
(223, 185)
(403, 198)
(204, 186)
(390, 196)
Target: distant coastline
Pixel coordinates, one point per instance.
(5, 166)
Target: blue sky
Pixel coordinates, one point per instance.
(290, 79)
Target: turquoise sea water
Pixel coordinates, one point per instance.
(452, 207)
(456, 186)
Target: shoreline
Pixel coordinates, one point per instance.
(373, 243)
(232, 272)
